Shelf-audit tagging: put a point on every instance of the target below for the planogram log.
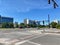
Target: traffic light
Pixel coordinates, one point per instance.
(54, 3)
(48, 1)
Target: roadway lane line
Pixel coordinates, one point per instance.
(18, 43)
(27, 40)
(33, 43)
(37, 36)
(28, 37)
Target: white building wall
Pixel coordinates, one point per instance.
(27, 21)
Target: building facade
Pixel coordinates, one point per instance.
(5, 20)
(27, 21)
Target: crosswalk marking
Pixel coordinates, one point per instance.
(18, 43)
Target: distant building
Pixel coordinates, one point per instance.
(37, 22)
(16, 25)
(27, 21)
(58, 22)
(6, 20)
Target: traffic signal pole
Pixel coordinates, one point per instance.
(49, 20)
(54, 3)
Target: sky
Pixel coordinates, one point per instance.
(30, 9)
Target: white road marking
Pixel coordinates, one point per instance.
(37, 36)
(7, 41)
(18, 43)
(52, 33)
(34, 43)
(3, 40)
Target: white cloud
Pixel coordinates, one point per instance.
(22, 9)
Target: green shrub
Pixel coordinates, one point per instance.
(58, 26)
(7, 25)
(54, 24)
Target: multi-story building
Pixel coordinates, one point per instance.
(27, 21)
(16, 25)
(37, 22)
(5, 20)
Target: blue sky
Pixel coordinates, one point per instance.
(31, 9)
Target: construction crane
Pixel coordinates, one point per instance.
(54, 3)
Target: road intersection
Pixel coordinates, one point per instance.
(29, 37)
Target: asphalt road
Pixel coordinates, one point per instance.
(28, 37)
